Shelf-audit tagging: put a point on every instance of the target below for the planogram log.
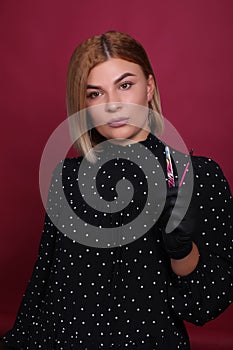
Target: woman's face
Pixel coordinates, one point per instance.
(118, 94)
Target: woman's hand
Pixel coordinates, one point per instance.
(177, 228)
(177, 231)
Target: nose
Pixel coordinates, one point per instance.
(113, 103)
(113, 107)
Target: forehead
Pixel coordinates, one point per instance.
(112, 69)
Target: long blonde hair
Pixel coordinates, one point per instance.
(86, 56)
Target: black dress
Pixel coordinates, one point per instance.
(88, 293)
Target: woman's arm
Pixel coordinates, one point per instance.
(185, 266)
(201, 287)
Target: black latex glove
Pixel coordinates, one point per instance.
(177, 239)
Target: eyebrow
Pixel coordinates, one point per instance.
(123, 76)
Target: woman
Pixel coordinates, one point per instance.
(114, 284)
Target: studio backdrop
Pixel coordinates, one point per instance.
(190, 46)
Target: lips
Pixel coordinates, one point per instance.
(117, 122)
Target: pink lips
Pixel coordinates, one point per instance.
(117, 122)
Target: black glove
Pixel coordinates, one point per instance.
(177, 235)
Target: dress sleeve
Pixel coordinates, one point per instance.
(208, 290)
(36, 288)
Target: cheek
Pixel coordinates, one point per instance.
(94, 120)
(96, 116)
(139, 109)
(142, 97)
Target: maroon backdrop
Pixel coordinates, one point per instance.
(190, 46)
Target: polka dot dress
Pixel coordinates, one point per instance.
(89, 294)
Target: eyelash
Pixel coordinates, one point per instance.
(94, 94)
(129, 83)
(91, 95)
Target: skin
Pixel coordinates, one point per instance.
(117, 96)
(119, 89)
(187, 265)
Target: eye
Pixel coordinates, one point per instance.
(93, 94)
(126, 85)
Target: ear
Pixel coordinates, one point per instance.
(150, 87)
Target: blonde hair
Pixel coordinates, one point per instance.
(86, 56)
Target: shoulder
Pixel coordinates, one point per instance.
(68, 164)
(211, 193)
(201, 170)
(65, 168)
(205, 164)
(72, 163)
(208, 171)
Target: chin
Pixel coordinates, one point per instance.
(122, 133)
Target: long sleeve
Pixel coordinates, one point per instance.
(36, 288)
(208, 291)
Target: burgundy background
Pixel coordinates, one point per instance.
(190, 45)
